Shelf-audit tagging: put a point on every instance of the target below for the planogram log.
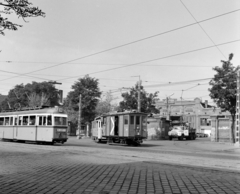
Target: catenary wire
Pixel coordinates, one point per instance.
(151, 60)
(202, 28)
(126, 44)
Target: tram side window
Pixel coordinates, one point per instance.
(32, 120)
(11, 120)
(25, 120)
(125, 120)
(1, 120)
(15, 121)
(144, 121)
(131, 120)
(7, 121)
(20, 120)
(42, 120)
(49, 120)
(39, 120)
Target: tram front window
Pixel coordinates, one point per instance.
(60, 121)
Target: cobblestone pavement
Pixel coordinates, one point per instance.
(44, 169)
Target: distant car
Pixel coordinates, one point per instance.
(200, 134)
(205, 135)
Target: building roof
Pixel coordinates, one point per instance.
(204, 105)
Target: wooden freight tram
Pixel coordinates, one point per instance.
(122, 127)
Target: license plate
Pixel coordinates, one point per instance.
(61, 130)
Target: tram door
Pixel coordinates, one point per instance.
(110, 125)
(132, 125)
(99, 128)
(138, 125)
(15, 129)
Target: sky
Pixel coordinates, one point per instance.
(170, 45)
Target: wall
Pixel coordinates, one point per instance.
(153, 128)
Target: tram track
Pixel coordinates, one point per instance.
(178, 148)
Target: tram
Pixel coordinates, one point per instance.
(41, 125)
(121, 127)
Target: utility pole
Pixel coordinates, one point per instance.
(168, 113)
(79, 115)
(139, 92)
(237, 116)
(139, 95)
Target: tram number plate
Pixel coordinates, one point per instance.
(61, 130)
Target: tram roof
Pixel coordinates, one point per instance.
(48, 110)
(124, 113)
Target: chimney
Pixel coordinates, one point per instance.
(206, 103)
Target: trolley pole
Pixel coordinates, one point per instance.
(79, 115)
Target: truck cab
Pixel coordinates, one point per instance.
(180, 130)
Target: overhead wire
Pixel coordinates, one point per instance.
(126, 44)
(151, 60)
(202, 28)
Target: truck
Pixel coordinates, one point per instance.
(181, 129)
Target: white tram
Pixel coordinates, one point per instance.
(43, 125)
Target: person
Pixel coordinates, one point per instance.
(49, 121)
(32, 121)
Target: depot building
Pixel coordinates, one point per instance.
(200, 115)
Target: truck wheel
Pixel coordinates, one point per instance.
(180, 138)
(191, 137)
(97, 140)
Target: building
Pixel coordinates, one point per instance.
(198, 113)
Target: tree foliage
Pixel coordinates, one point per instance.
(105, 105)
(21, 8)
(224, 88)
(31, 94)
(131, 100)
(90, 92)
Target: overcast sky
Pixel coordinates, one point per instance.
(176, 41)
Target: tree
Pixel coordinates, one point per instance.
(224, 89)
(147, 100)
(90, 92)
(34, 94)
(21, 8)
(105, 105)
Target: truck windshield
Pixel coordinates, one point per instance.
(176, 128)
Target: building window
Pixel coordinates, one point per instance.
(205, 122)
